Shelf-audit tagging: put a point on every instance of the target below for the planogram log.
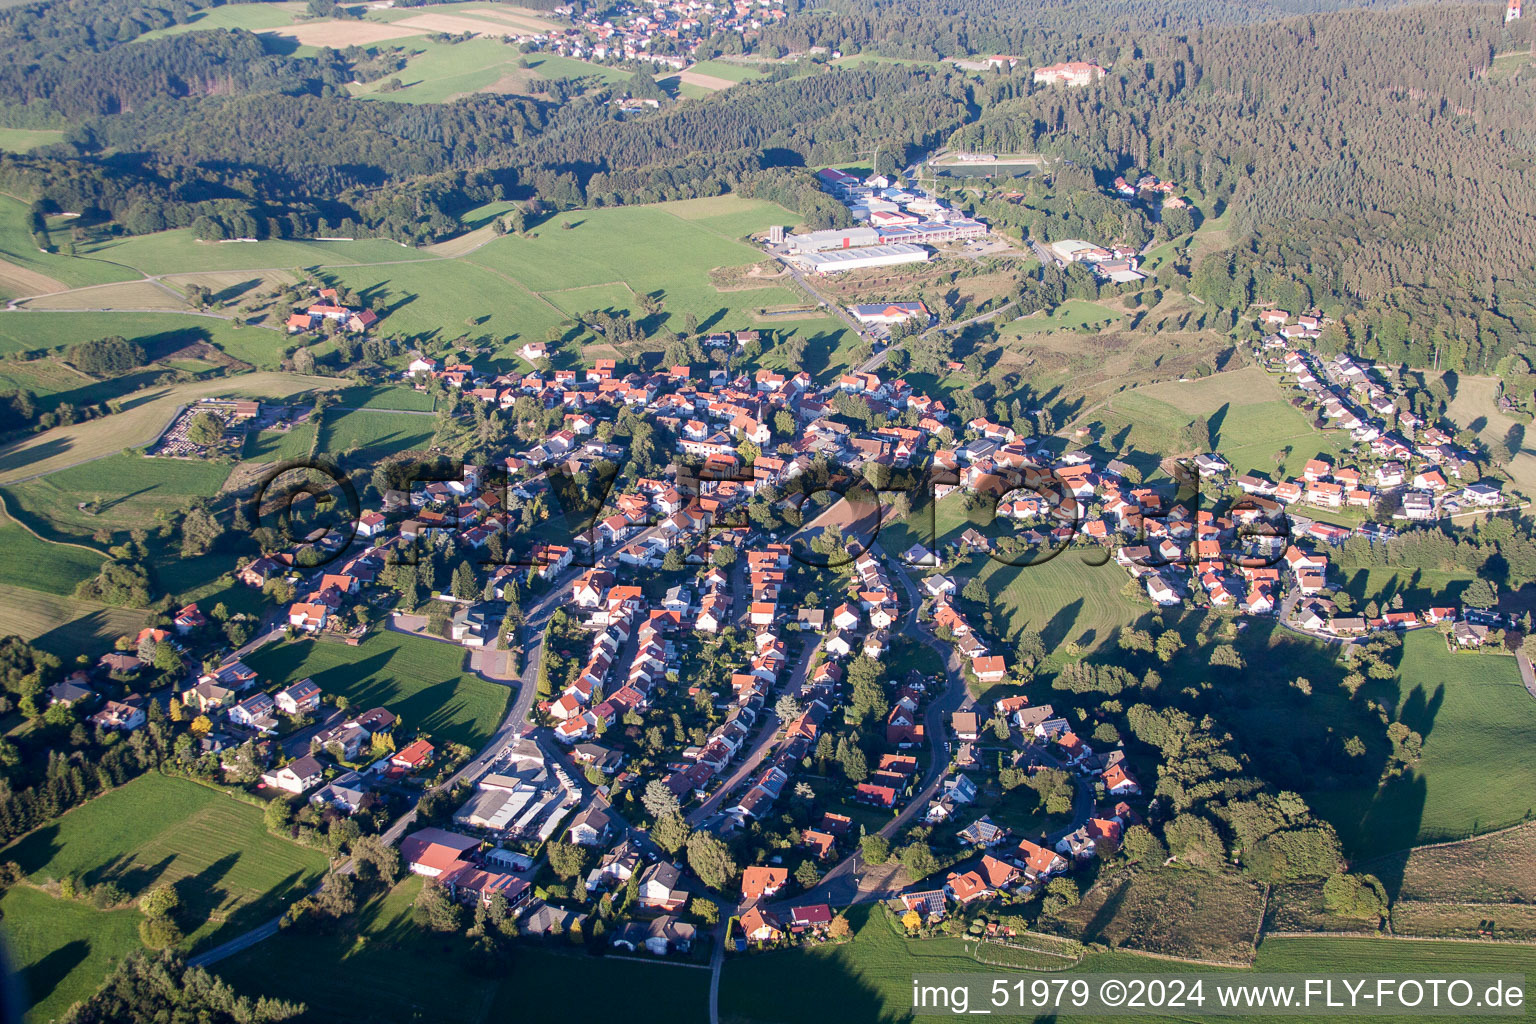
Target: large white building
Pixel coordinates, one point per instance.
(1073, 72)
(833, 238)
(856, 259)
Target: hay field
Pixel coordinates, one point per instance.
(704, 81)
(341, 34)
(129, 295)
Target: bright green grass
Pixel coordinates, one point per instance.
(1420, 588)
(394, 973)
(177, 252)
(17, 246)
(555, 66)
(1068, 316)
(21, 140)
(731, 216)
(1065, 598)
(439, 299)
(729, 71)
(279, 445)
(63, 948)
(252, 16)
(230, 872)
(44, 378)
(439, 72)
(650, 250)
(62, 625)
(422, 681)
(385, 397)
(1475, 716)
(157, 332)
(375, 434)
(131, 487)
(28, 561)
(612, 297)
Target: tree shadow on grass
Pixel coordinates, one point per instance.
(48, 974)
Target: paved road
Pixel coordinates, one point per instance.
(1526, 674)
(762, 743)
(536, 616)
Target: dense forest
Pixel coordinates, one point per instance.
(1370, 162)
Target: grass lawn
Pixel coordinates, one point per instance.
(159, 333)
(1475, 407)
(423, 681)
(1473, 713)
(144, 415)
(279, 445)
(393, 973)
(374, 434)
(1069, 316)
(730, 71)
(63, 949)
(63, 625)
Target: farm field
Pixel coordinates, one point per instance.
(62, 949)
(130, 487)
(1494, 869)
(134, 295)
(731, 71)
(22, 140)
(230, 872)
(177, 252)
(1472, 712)
(26, 271)
(442, 72)
(1250, 421)
(1069, 316)
(279, 445)
(1475, 407)
(869, 981)
(403, 399)
(1174, 911)
(40, 565)
(394, 973)
(254, 17)
(63, 625)
(145, 414)
(1419, 588)
(371, 435)
(157, 332)
(423, 681)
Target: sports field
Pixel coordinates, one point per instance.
(230, 873)
(395, 973)
(423, 681)
(145, 415)
(1475, 717)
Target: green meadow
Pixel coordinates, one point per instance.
(423, 681)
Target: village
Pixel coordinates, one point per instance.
(660, 712)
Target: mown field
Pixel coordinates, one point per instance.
(130, 488)
(62, 950)
(1475, 717)
(441, 72)
(230, 873)
(27, 271)
(253, 17)
(32, 562)
(366, 436)
(393, 973)
(422, 681)
(144, 415)
(159, 333)
(63, 625)
(177, 252)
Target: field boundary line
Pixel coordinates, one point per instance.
(1442, 844)
(6, 513)
(1399, 938)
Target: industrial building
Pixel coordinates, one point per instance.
(833, 238)
(839, 260)
(888, 312)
